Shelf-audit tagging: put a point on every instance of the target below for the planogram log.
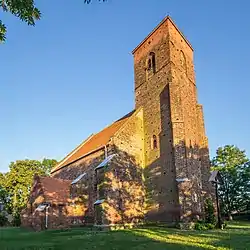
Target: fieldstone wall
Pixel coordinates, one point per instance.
(162, 142)
(152, 93)
(165, 88)
(124, 189)
(85, 189)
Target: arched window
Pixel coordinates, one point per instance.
(151, 63)
(154, 142)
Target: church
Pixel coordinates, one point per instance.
(151, 165)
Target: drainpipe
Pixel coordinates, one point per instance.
(46, 216)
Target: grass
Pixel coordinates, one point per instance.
(236, 236)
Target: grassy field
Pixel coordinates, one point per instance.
(236, 236)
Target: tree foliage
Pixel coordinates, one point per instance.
(234, 168)
(25, 10)
(48, 164)
(17, 182)
(209, 212)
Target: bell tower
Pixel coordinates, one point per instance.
(175, 146)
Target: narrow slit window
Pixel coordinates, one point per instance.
(149, 64)
(154, 142)
(152, 55)
(190, 144)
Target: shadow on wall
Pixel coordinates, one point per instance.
(177, 192)
(131, 194)
(171, 186)
(177, 172)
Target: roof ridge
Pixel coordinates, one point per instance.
(125, 116)
(134, 112)
(96, 141)
(71, 153)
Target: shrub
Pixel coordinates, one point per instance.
(210, 226)
(3, 220)
(200, 226)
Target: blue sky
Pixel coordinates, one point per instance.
(72, 74)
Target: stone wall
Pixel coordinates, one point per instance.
(85, 165)
(125, 194)
(165, 88)
(152, 93)
(163, 141)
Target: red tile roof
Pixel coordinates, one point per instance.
(93, 142)
(55, 190)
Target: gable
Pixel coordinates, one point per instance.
(93, 143)
(48, 189)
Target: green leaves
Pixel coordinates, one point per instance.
(16, 184)
(2, 31)
(25, 10)
(234, 168)
(89, 1)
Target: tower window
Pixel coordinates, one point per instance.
(151, 63)
(152, 55)
(190, 144)
(154, 142)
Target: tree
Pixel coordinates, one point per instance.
(17, 182)
(3, 192)
(48, 164)
(234, 167)
(25, 10)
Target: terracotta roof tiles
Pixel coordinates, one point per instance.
(93, 142)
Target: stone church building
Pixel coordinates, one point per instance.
(150, 165)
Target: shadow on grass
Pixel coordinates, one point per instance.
(152, 238)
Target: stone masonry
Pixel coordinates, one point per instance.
(160, 168)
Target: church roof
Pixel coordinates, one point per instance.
(93, 143)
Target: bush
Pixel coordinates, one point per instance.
(203, 226)
(16, 220)
(210, 226)
(200, 226)
(3, 220)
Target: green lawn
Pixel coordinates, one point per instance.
(236, 236)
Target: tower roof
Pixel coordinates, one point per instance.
(166, 19)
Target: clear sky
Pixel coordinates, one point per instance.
(72, 74)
